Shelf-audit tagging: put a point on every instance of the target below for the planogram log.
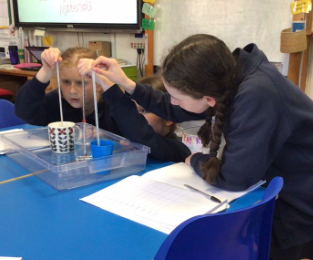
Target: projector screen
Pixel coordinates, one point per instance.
(100, 14)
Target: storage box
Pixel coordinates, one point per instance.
(291, 42)
(102, 48)
(62, 171)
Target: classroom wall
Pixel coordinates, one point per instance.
(121, 48)
(237, 22)
(120, 42)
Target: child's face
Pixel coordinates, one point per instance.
(71, 85)
(189, 103)
(159, 125)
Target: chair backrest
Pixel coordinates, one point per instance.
(5, 94)
(7, 115)
(241, 234)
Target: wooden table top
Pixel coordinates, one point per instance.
(17, 72)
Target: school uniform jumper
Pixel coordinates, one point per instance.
(268, 133)
(135, 127)
(36, 107)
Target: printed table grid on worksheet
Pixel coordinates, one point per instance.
(150, 200)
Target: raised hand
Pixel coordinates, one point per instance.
(84, 68)
(110, 69)
(49, 58)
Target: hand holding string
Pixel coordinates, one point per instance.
(112, 70)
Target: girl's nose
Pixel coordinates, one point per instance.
(73, 88)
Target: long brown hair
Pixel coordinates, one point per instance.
(202, 65)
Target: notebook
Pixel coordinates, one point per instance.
(158, 199)
(36, 53)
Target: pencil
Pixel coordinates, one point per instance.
(203, 193)
(44, 170)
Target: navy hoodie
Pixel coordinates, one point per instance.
(268, 133)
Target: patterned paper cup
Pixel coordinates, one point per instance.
(61, 137)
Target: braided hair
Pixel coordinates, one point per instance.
(202, 65)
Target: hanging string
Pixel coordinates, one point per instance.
(84, 109)
(59, 88)
(84, 117)
(93, 75)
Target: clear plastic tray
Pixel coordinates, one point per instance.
(32, 151)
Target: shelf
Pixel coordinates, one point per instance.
(298, 62)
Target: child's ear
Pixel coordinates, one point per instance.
(169, 123)
(210, 100)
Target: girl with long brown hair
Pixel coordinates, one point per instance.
(266, 120)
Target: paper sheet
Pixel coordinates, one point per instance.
(155, 204)
(30, 142)
(4, 15)
(4, 147)
(180, 173)
(159, 200)
(10, 258)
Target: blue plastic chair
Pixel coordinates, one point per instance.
(7, 115)
(243, 234)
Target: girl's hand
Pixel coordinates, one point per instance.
(84, 68)
(111, 70)
(49, 58)
(188, 159)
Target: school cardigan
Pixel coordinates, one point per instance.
(36, 107)
(268, 133)
(135, 127)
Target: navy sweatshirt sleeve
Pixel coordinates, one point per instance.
(255, 132)
(34, 107)
(134, 126)
(159, 103)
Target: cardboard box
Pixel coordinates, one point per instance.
(103, 48)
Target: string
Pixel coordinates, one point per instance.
(59, 88)
(84, 117)
(24, 176)
(96, 105)
(44, 170)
